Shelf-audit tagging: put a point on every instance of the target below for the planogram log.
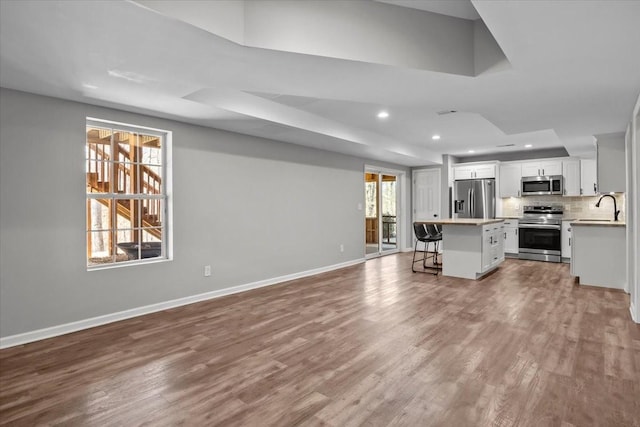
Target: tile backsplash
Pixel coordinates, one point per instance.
(574, 207)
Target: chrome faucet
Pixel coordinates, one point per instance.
(616, 212)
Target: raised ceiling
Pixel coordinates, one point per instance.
(544, 73)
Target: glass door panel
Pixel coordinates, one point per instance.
(388, 209)
(371, 219)
(381, 214)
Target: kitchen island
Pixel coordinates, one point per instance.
(472, 247)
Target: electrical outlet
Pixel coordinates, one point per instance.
(207, 270)
(341, 247)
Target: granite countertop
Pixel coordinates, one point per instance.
(599, 223)
(462, 221)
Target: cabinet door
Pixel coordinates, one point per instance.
(498, 244)
(588, 177)
(510, 175)
(553, 167)
(611, 165)
(511, 240)
(566, 239)
(531, 169)
(484, 171)
(463, 172)
(571, 175)
(487, 242)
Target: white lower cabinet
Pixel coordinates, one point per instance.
(565, 241)
(492, 245)
(599, 255)
(510, 234)
(472, 250)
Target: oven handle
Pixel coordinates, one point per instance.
(556, 227)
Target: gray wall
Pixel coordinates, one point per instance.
(252, 208)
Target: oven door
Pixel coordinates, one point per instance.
(544, 239)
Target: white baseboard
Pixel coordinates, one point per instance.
(54, 331)
(634, 313)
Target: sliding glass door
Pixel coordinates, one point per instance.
(381, 213)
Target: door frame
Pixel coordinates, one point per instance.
(401, 201)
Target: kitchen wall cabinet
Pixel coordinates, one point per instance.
(510, 234)
(510, 175)
(543, 167)
(565, 241)
(571, 177)
(588, 177)
(474, 171)
(611, 165)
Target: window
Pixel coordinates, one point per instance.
(127, 202)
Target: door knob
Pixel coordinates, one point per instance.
(435, 215)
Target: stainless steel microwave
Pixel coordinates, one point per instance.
(542, 185)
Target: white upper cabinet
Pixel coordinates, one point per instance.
(589, 177)
(474, 171)
(542, 167)
(510, 174)
(611, 165)
(571, 176)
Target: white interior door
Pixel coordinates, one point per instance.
(426, 194)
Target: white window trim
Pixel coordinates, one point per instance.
(167, 153)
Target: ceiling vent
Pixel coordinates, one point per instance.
(445, 112)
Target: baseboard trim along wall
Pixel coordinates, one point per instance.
(54, 331)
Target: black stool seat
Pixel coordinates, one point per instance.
(426, 234)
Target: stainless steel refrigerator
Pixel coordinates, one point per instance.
(474, 198)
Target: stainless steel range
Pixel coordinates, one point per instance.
(540, 230)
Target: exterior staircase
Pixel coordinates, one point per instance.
(129, 175)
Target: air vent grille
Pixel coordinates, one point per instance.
(444, 112)
(506, 145)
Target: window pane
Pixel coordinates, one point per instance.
(125, 176)
(126, 143)
(99, 247)
(152, 212)
(152, 234)
(98, 177)
(99, 215)
(151, 149)
(127, 243)
(98, 143)
(151, 179)
(371, 197)
(128, 214)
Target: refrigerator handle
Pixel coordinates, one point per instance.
(471, 213)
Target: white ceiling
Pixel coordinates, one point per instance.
(574, 72)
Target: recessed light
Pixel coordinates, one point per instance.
(383, 114)
(471, 151)
(528, 145)
(435, 137)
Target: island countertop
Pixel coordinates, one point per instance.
(462, 221)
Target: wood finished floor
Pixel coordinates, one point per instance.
(371, 344)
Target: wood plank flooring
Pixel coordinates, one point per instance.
(372, 344)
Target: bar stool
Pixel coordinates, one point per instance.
(426, 234)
